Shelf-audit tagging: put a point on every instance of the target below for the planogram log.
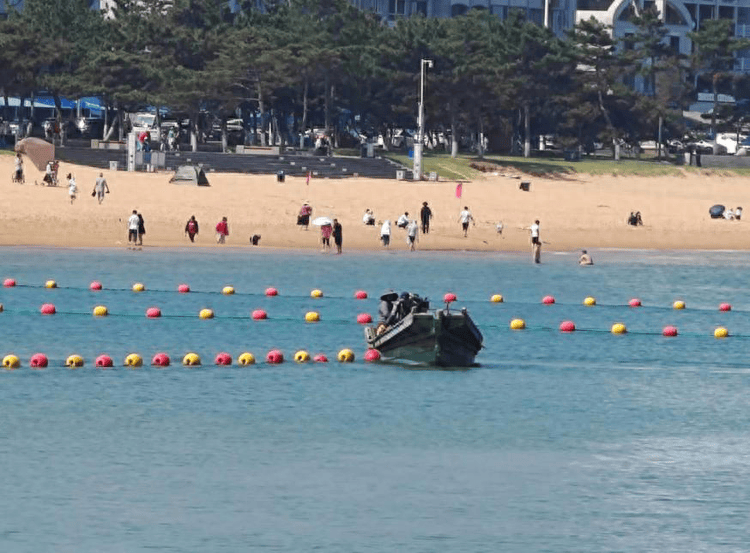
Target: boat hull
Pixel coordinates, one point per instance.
(442, 338)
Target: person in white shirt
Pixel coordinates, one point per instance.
(385, 233)
(133, 222)
(585, 258)
(499, 227)
(738, 213)
(411, 234)
(72, 188)
(465, 218)
(728, 214)
(536, 242)
(403, 221)
(368, 218)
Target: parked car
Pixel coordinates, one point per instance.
(707, 147)
(729, 141)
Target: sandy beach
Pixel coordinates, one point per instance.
(575, 212)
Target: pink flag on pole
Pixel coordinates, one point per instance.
(459, 189)
(308, 177)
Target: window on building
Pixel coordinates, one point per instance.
(691, 8)
(674, 17)
(594, 5)
(421, 7)
(500, 11)
(674, 44)
(459, 9)
(726, 12)
(705, 12)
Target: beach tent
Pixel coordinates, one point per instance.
(190, 174)
(39, 151)
(716, 211)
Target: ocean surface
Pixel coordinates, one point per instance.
(556, 442)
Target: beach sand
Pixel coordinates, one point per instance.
(575, 211)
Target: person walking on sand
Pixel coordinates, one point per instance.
(19, 168)
(585, 259)
(385, 233)
(133, 222)
(536, 242)
(191, 228)
(425, 214)
(465, 218)
(222, 230)
(411, 234)
(141, 229)
(337, 235)
(100, 188)
(72, 188)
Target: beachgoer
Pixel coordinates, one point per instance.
(738, 213)
(499, 227)
(191, 228)
(536, 242)
(728, 214)
(403, 221)
(368, 218)
(303, 219)
(465, 218)
(638, 220)
(585, 259)
(141, 229)
(222, 230)
(255, 239)
(337, 235)
(632, 221)
(411, 234)
(133, 222)
(425, 214)
(325, 236)
(19, 167)
(72, 188)
(100, 188)
(385, 310)
(49, 174)
(385, 233)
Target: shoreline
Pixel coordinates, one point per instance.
(586, 212)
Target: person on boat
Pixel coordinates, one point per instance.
(385, 311)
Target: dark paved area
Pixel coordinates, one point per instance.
(291, 163)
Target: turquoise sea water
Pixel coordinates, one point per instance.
(556, 442)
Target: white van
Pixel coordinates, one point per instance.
(144, 121)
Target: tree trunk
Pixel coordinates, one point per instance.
(194, 133)
(224, 139)
(305, 89)
(480, 147)
(454, 134)
(262, 110)
(658, 144)
(327, 105)
(527, 132)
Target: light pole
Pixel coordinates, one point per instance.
(417, 172)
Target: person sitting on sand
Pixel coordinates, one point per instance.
(585, 259)
(738, 213)
(303, 219)
(403, 221)
(368, 218)
(728, 214)
(499, 227)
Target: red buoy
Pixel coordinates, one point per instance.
(48, 309)
(153, 312)
(669, 331)
(364, 318)
(38, 361)
(274, 357)
(160, 360)
(9, 282)
(320, 358)
(360, 295)
(95, 286)
(223, 358)
(449, 297)
(259, 315)
(271, 291)
(372, 355)
(567, 326)
(183, 288)
(104, 361)
(635, 302)
(548, 300)
(725, 307)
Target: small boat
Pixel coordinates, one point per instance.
(441, 337)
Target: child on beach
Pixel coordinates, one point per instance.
(222, 230)
(72, 188)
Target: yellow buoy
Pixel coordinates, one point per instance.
(246, 358)
(679, 304)
(316, 293)
(100, 311)
(517, 324)
(721, 332)
(312, 316)
(589, 301)
(74, 361)
(206, 314)
(11, 362)
(50, 284)
(346, 356)
(302, 356)
(138, 287)
(133, 360)
(619, 328)
(497, 298)
(227, 290)
(191, 360)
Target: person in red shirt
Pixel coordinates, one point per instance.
(325, 235)
(222, 230)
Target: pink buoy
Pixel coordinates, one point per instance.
(48, 309)
(183, 288)
(449, 297)
(360, 295)
(95, 286)
(160, 360)
(372, 355)
(271, 291)
(274, 357)
(38, 361)
(635, 302)
(567, 326)
(260, 315)
(9, 282)
(364, 318)
(104, 361)
(320, 358)
(153, 312)
(223, 358)
(725, 307)
(669, 331)
(548, 300)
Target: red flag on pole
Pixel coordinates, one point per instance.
(459, 189)
(308, 177)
